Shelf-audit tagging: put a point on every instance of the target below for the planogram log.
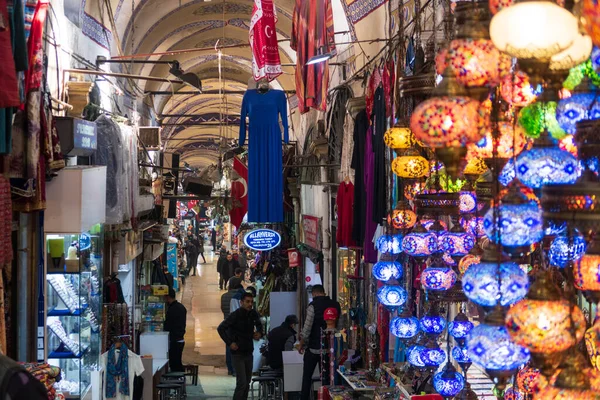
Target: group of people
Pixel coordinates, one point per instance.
(228, 263)
(242, 326)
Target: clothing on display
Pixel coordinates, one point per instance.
(6, 251)
(121, 366)
(345, 201)
(361, 125)
(380, 167)
(369, 251)
(263, 41)
(113, 292)
(9, 88)
(312, 34)
(265, 170)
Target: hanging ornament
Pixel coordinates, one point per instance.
(448, 382)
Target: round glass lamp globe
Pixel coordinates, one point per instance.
(457, 243)
(517, 90)
(460, 329)
(460, 354)
(512, 136)
(480, 284)
(565, 249)
(518, 225)
(438, 278)
(577, 53)
(533, 30)
(527, 378)
(420, 244)
(385, 270)
(410, 167)
(448, 383)
(578, 107)
(545, 326)
(404, 327)
(402, 218)
(432, 324)
(399, 138)
(587, 273)
(491, 348)
(392, 296)
(389, 244)
(541, 166)
(433, 357)
(447, 121)
(414, 356)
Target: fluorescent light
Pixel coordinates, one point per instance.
(319, 58)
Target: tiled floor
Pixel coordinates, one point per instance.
(202, 298)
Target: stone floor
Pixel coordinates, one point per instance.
(203, 346)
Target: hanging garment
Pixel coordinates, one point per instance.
(134, 368)
(30, 6)
(9, 88)
(369, 251)
(388, 79)
(361, 125)
(345, 211)
(265, 171)
(6, 251)
(239, 193)
(263, 41)
(312, 34)
(379, 205)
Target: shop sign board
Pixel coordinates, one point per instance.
(85, 241)
(293, 258)
(262, 239)
(172, 263)
(311, 226)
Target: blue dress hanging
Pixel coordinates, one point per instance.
(265, 170)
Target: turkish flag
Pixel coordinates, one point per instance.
(239, 193)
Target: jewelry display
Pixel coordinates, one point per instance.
(65, 290)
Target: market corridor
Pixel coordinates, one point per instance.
(202, 298)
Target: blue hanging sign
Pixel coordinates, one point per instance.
(85, 241)
(262, 239)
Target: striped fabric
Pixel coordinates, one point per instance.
(29, 11)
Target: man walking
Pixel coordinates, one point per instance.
(200, 244)
(175, 325)
(226, 308)
(311, 336)
(239, 331)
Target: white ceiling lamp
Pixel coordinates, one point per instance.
(577, 53)
(320, 57)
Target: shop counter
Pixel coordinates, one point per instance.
(154, 368)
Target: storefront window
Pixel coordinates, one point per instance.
(346, 266)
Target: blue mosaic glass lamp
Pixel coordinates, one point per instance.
(386, 270)
(457, 242)
(392, 296)
(448, 382)
(519, 225)
(546, 165)
(390, 244)
(583, 105)
(508, 173)
(404, 327)
(461, 356)
(432, 325)
(413, 355)
(460, 327)
(420, 242)
(565, 249)
(489, 345)
(438, 278)
(480, 283)
(432, 355)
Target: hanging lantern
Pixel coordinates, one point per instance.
(527, 378)
(590, 17)
(513, 394)
(432, 324)
(466, 262)
(390, 244)
(448, 382)
(511, 137)
(392, 296)
(410, 166)
(461, 355)
(475, 166)
(542, 323)
(582, 105)
(480, 284)
(404, 327)
(592, 344)
(432, 355)
(459, 328)
(473, 225)
(468, 202)
(546, 166)
(577, 53)
(517, 90)
(565, 249)
(438, 278)
(539, 117)
(457, 242)
(385, 270)
(402, 217)
(420, 242)
(587, 273)
(400, 138)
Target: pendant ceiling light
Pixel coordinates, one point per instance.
(404, 326)
(457, 242)
(387, 270)
(565, 249)
(402, 216)
(438, 278)
(533, 31)
(509, 144)
(582, 105)
(578, 52)
(389, 244)
(460, 327)
(410, 165)
(392, 296)
(527, 378)
(516, 89)
(432, 324)
(448, 382)
(480, 284)
(400, 138)
(420, 242)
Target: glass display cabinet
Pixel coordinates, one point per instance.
(73, 307)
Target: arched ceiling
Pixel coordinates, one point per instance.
(158, 26)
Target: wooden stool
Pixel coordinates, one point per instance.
(169, 391)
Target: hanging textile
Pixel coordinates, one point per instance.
(312, 34)
(9, 88)
(6, 251)
(239, 193)
(30, 6)
(361, 125)
(265, 170)
(263, 41)
(370, 253)
(380, 166)
(345, 202)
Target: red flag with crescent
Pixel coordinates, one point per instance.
(239, 193)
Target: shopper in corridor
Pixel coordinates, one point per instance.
(239, 331)
(175, 325)
(311, 335)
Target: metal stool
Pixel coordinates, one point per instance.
(192, 372)
(177, 378)
(267, 387)
(169, 391)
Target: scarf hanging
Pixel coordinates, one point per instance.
(263, 41)
(117, 370)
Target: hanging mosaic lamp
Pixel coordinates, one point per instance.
(404, 327)
(468, 200)
(590, 17)
(400, 138)
(457, 242)
(402, 216)
(461, 356)
(480, 281)
(576, 54)
(519, 224)
(592, 343)
(512, 136)
(565, 249)
(460, 327)
(542, 323)
(414, 356)
(448, 382)
(432, 324)
(582, 105)
(392, 296)
(539, 119)
(419, 242)
(516, 89)
(587, 273)
(387, 270)
(473, 225)
(390, 244)
(490, 346)
(527, 379)
(410, 165)
(438, 278)
(533, 32)
(466, 262)
(513, 393)
(432, 355)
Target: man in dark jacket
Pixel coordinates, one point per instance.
(175, 323)
(239, 331)
(311, 335)
(228, 267)
(220, 269)
(168, 277)
(235, 290)
(281, 338)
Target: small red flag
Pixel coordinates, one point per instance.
(239, 193)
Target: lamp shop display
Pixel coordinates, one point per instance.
(497, 205)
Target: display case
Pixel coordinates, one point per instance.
(73, 307)
(153, 307)
(346, 261)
